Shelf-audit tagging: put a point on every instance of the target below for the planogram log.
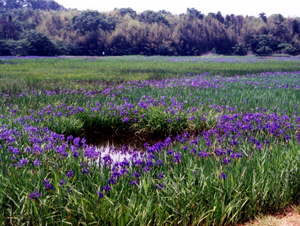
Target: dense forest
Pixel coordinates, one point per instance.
(45, 28)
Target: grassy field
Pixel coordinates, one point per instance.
(236, 154)
(17, 75)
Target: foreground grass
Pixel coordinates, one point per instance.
(188, 181)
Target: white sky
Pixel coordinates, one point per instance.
(288, 8)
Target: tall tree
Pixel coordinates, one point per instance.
(295, 27)
(219, 17)
(13, 4)
(130, 11)
(263, 16)
(34, 4)
(194, 13)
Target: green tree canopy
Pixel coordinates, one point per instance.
(34, 4)
(89, 21)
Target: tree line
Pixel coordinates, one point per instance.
(43, 27)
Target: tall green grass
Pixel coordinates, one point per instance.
(156, 118)
(192, 193)
(51, 73)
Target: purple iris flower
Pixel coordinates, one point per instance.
(147, 169)
(159, 186)
(177, 158)
(70, 138)
(125, 119)
(123, 171)
(226, 161)
(23, 161)
(222, 176)
(112, 180)
(70, 174)
(159, 162)
(34, 195)
(134, 182)
(161, 175)
(47, 184)
(136, 174)
(170, 152)
(106, 188)
(85, 171)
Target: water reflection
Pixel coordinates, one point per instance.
(118, 148)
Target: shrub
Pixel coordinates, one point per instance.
(38, 44)
(4, 48)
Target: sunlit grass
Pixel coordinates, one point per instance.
(39, 72)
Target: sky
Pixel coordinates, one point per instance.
(288, 8)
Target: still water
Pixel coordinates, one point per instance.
(121, 147)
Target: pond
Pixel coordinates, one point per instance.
(120, 147)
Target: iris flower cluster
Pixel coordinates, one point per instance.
(30, 140)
